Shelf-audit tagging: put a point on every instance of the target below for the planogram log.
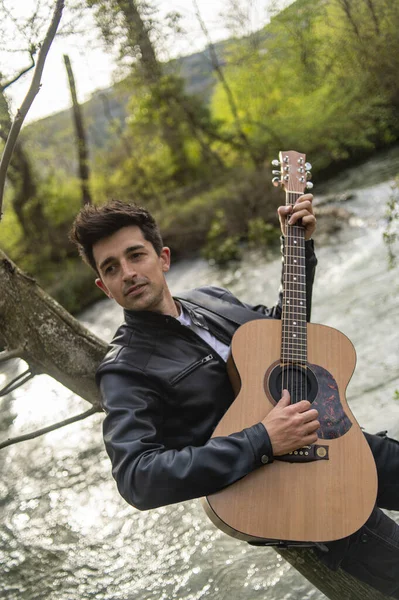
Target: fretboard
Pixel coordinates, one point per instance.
(294, 339)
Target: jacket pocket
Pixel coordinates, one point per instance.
(190, 369)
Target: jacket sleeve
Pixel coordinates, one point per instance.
(148, 474)
(310, 265)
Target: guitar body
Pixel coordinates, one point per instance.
(321, 500)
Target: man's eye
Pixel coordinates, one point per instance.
(109, 270)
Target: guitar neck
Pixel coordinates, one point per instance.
(294, 338)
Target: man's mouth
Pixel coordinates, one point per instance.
(135, 289)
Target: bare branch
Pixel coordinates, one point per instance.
(9, 354)
(26, 104)
(230, 98)
(38, 432)
(81, 137)
(17, 382)
(4, 86)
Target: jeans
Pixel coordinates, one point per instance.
(372, 553)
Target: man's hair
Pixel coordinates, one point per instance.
(94, 223)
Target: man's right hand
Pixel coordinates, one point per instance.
(291, 426)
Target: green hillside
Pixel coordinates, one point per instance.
(52, 139)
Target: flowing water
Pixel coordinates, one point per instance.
(65, 533)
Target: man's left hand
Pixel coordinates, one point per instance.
(302, 210)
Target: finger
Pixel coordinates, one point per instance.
(302, 406)
(309, 220)
(304, 209)
(283, 211)
(312, 427)
(285, 399)
(310, 415)
(310, 439)
(296, 216)
(305, 197)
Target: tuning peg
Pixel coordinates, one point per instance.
(275, 163)
(276, 173)
(276, 181)
(309, 185)
(308, 166)
(308, 175)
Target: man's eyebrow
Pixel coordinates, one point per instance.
(110, 259)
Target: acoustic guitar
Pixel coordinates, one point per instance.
(317, 493)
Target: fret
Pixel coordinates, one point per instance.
(294, 346)
(302, 364)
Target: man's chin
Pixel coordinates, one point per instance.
(140, 302)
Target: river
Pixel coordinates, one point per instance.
(65, 533)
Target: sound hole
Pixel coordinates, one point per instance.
(299, 381)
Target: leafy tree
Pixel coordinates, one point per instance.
(178, 125)
(322, 80)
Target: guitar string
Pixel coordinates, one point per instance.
(286, 303)
(294, 266)
(295, 273)
(292, 370)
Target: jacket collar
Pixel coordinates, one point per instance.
(136, 317)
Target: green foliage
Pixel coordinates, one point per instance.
(221, 248)
(320, 78)
(61, 197)
(321, 81)
(261, 233)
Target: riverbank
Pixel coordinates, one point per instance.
(221, 223)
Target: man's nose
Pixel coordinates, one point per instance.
(128, 271)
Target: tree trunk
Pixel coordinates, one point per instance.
(336, 585)
(81, 138)
(152, 74)
(53, 342)
(48, 338)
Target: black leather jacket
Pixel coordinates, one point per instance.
(164, 390)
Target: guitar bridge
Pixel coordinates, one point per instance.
(306, 454)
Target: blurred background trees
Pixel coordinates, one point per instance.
(191, 137)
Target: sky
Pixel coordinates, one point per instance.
(95, 68)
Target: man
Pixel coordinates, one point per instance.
(164, 386)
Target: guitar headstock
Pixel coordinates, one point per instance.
(294, 173)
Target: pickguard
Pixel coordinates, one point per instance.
(333, 421)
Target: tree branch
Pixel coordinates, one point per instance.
(17, 382)
(26, 104)
(9, 354)
(38, 432)
(229, 94)
(4, 86)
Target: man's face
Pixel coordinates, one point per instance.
(130, 270)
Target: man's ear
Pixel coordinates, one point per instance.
(165, 258)
(99, 283)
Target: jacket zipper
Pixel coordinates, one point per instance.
(190, 369)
